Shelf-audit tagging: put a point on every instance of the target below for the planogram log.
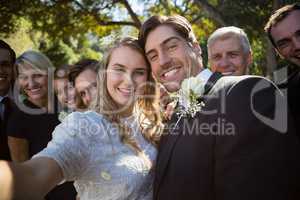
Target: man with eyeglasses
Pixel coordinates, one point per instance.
(7, 60)
(283, 29)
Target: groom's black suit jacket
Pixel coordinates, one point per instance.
(232, 153)
(4, 149)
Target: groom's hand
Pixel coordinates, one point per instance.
(167, 104)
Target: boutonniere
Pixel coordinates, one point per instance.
(190, 95)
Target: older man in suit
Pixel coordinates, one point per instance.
(238, 146)
(229, 51)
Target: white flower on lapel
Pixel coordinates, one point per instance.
(192, 89)
(194, 85)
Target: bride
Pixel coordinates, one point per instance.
(109, 151)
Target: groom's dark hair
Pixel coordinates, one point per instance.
(177, 22)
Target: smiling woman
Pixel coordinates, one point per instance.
(34, 116)
(109, 152)
(32, 81)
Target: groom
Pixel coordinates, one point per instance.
(239, 146)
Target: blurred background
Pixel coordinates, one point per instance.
(69, 30)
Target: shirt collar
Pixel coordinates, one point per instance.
(204, 75)
(2, 97)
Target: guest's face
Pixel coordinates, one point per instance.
(286, 35)
(171, 57)
(34, 82)
(66, 93)
(6, 71)
(126, 75)
(86, 86)
(228, 57)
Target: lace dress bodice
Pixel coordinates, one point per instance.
(88, 149)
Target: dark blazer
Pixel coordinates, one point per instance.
(291, 86)
(4, 150)
(227, 151)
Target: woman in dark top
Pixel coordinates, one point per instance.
(34, 129)
(32, 121)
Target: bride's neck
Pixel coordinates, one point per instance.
(127, 112)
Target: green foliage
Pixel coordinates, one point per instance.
(69, 30)
(10, 11)
(258, 53)
(90, 53)
(60, 53)
(23, 38)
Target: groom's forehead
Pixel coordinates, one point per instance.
(158, 36)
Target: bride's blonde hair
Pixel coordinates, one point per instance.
(145, 107)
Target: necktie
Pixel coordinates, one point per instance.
(4, 150)
(6, 106)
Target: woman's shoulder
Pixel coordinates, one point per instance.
(84, 122)
(90, 116)
(17, 114)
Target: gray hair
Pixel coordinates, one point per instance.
(35, 59)
(41, 62)
(230, 32)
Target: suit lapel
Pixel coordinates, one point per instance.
(167, 144)
(211, 82)
(168, 141)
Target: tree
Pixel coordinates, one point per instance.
(69, 20)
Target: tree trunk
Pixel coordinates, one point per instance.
(211, 11)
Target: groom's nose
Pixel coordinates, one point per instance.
(164, 59)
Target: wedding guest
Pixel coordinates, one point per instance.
(64, 89)
(227, 138)
(283, 29)
(66, 93)
(109, 151)
(229, 51)
(83, 75)
(7, 60)
(30, 124)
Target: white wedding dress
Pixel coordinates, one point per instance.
(88, 149)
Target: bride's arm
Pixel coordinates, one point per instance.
(32, 179)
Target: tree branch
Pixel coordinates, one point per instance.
(132, 14)
(194, 21)
(94, 13)
(211, 11)
(119, 23)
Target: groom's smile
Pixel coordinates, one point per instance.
(171, 74)
(166, 50)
